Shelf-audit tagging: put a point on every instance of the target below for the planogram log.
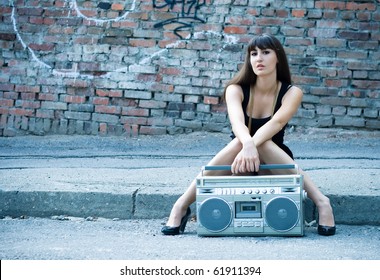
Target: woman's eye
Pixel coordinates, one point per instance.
(253, 53)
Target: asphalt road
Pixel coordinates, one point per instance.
(65, 238)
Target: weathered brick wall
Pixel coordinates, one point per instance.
(154, 67)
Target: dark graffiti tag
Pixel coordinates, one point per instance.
(188, 15)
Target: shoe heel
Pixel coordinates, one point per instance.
(166, 230)
(184, 220)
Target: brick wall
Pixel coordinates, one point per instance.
(154, 67)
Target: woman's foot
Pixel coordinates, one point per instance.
(326, 224)
(173, 226)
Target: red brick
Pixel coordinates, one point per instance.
(5, 10)
(28, 96)
(354, 35)
(75, 99)
(11, 95)
(149, 77)
(76, 83)
(69, 21)
(49, 21)
(36, 20)
(7, 87)
(21, 112)
(238, 20)
(60, 4)
(211, 100)
(109, 93)
(89, 13)
(151, 130)
(131, 130)
(335, 83)
(138, 112)
(24, 88)
(4, 111)
(299, 41)
(331, 24)
(270, 21)
(356, 6)
(282, 13)
(298, 13)
(170, 71)
(100, 101)
(8, 36)
(142, 43)
(152, 104)
(220, 108)
(28, 104)
(365, 84)
(30, 11)
(6, 102)
(235, 30)
(114, 110)
(103, 128)
(330, 5)
(41, 47)
(47, 96)
(117, 7)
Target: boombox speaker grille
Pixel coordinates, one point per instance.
(215, 214)
(282, 214)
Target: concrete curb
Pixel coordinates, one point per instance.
(120, 178)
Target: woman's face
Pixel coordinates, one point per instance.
(263, 61)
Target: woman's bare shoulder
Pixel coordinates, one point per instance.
(234, 90)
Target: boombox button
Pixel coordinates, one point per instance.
(258, 224)
(242, 191)
(237, 224)
(257, 191)
(264, 191)
(272, 190)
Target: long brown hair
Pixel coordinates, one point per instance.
(246, 76)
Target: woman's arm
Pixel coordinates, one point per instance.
(248, 158)
(234, 99)
(290, 104)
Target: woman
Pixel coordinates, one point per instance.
(260, 102)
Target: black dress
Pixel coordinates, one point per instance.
(257, 123)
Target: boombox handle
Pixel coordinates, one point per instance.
(262, 167)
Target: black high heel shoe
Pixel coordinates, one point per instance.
(166, 230)
(326, 230)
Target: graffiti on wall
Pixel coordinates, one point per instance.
(184, 19)
(189, 10)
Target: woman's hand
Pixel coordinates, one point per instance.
(247, 160)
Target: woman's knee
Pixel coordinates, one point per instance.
(266, 147)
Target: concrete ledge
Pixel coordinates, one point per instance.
(355, 210)
(142, 178)
(47, 204)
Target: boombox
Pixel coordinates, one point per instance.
(265, 205)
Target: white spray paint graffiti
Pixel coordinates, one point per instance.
(73, 73)
(74, 5)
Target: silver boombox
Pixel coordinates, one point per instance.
(265, 205)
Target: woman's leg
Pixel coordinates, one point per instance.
(225, 157)
(271, 153)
